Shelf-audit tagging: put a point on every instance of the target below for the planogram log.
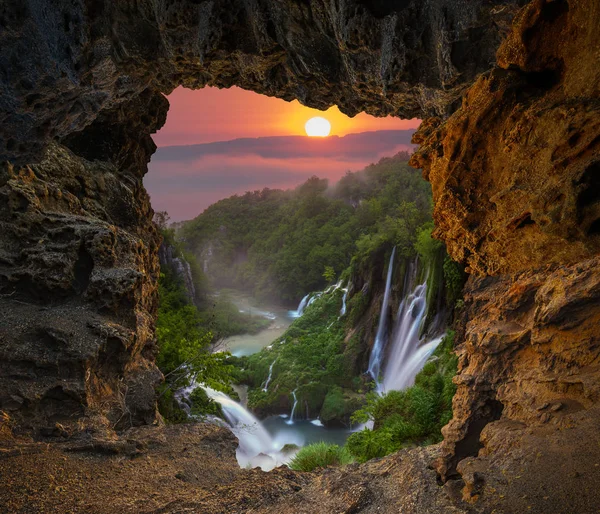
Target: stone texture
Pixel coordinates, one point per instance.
(530, 353)
(73, 61)
(516, 170)
(515, 176)
(78, 271)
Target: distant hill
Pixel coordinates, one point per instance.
(361, 145)
(185, 180)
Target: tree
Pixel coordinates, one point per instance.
(329, 274)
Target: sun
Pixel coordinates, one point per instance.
(317, 127)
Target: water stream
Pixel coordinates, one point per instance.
(266, 386)
(247, 344)
(377, 353)
(263, 443)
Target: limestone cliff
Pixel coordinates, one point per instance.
(516, 183)
(78, 272)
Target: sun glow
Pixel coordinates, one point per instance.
(317, 127)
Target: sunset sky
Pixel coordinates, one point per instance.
(185, 181)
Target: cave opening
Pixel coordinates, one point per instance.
(320, 185)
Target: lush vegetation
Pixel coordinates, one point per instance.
(285, 244)
(410, 417)
(279, 243)
(320, 455)
(321, 356)
(184, 355)
(187, 329)
(313, 359)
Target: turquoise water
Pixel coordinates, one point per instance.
(247, 344)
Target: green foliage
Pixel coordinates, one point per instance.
(454, 277)
(312, 358)
(184, 349)
(203, 405)
(426, 246)
(356, 307)
(276, 243)
(334, 405)
(329, 274)
(168, 406)
(412, 416)
(320, 455)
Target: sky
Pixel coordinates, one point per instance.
(244, 141)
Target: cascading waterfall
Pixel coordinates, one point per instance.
(344, 297)
(256, 446)
(379, 346)
(301, 306)
(290, 421)
(266, 386)
(408, 350)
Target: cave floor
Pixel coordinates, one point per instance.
(192, 468)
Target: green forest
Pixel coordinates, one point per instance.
(277, 244)
(284, 244)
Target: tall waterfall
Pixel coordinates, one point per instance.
(407, 350)
(301, 306)
(377, 352)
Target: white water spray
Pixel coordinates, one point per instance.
(301, 306)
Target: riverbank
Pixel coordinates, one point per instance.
(248, 344)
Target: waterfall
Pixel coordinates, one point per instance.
(256, 446)
(406, 372)
(378, 347)
(343, 309)
(314, 297)
(301, 306)
(290, 421)
(266, 386)
(408, 350)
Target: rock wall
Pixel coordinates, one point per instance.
(71, 62)
(516, 180)
(78, 272)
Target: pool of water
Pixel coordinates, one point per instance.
(303, 432)
(247, 344)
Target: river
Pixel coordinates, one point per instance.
(247, 344)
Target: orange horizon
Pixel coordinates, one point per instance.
(211, 114)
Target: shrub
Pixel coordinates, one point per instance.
(320, 455)
(454, 277)
(412, 416)
(202, 405)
